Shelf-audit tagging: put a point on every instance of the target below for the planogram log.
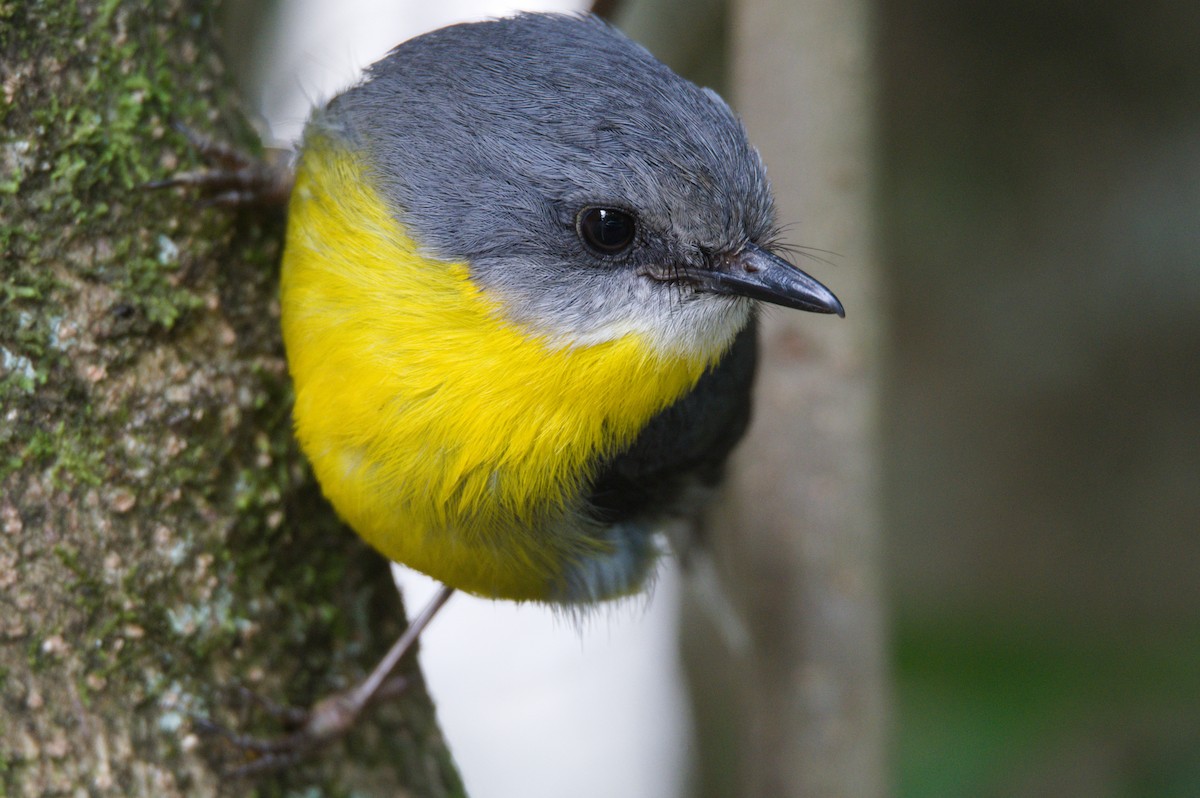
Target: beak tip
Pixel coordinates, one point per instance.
(826, 302)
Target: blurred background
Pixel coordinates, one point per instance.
(1040, 216)
(1037, 185)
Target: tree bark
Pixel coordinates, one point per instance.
(161, 540)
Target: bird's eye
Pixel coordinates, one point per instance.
(606, 230)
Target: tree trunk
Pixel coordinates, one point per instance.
(161, 540)
(804, 703)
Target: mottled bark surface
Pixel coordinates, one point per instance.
(161, 540)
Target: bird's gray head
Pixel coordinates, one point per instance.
(591, 190)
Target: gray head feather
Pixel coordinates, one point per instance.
(488, 139)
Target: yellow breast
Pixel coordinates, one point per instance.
(447, 437)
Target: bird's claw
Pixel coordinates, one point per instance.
(327, 721)
(233, 177)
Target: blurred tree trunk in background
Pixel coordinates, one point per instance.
(804, 531)
(160, 538)
(802, 710)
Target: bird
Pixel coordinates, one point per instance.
(519, 297)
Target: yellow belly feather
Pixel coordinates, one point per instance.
(448, 438)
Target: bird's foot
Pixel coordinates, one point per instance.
(307, 730)
(330, 718)
(233, 178)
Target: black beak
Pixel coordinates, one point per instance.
(755, 273)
